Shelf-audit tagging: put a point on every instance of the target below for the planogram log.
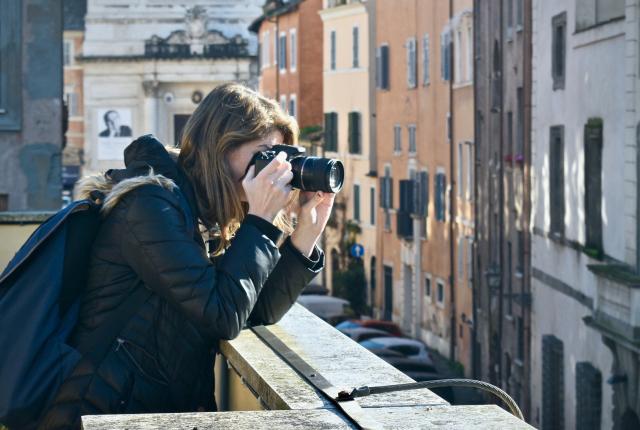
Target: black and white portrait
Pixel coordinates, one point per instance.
(114, 126)
(114, 129)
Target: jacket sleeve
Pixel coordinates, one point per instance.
(161, 250)
(293, 272)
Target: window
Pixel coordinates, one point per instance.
(520, 124)
(356, 202)
(460, 250)
(521, 251)
(372, 274)
(552, 383)
(292, 105)
(496, 79)
(388, 291)
(558, 49)
(266, 55)
(556, 180)
(333, 50)
(331, 131)
(445, 55)
(593, 186)
(510, 133)
(406, 350)
(440, 291)
(470, 170)
(382, 69)
(509, 19)
(457, 63)
(372, 206)
(460, 170)
(425, 60)
(412, 139)
(67, 52)
(283, 103)
(10, 66)
(423, 201)
(355, 134)
(590, 13)
(4, 202)
(470, 262)
(282, 52)
(448, 126)
(386, 196)
(509, 275)
(440, 190)
(397, 139)
(275, 48)
(356, 48)
(519, 14)
(588, 396)
(293, 56)
(427, 287)
(412, 65)
(469, 46)
(71, 99)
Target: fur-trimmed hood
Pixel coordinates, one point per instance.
(146, 161)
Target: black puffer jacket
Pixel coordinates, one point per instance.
(163, 360)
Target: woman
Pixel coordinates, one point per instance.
(163, 360)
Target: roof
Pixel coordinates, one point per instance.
(276, 8)
(73, 13)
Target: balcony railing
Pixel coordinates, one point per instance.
(256, 388)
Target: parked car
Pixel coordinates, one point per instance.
(421, 371)
(388, 326)
(359, 334)
(408, 347)
(326, 307)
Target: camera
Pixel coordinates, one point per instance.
(309, 173)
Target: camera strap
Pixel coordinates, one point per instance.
(351, 408)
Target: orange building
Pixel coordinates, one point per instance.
(73, 37)
(290, 60)
(424, 128)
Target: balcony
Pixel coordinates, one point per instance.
(257, 388)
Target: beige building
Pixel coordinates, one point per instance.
(349, 100)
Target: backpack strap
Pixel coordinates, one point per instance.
(100, 341)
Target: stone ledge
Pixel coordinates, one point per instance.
(295, 403)
(24, 217)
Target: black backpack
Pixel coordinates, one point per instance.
(40, 292)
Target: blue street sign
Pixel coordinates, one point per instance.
(357, 250)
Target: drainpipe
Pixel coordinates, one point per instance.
(452, 196)
(476, 132)
(500, 226)
(637, 198)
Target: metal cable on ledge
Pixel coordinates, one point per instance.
(470, 383)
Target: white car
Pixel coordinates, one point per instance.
(326, 307)
(408, 347)
(359, 334)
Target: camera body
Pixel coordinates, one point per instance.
(309, 173)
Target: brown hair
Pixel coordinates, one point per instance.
(228, 117)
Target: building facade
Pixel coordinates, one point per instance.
(74, 12)
(31, 110)
(585, 206)
(424, 117)
(503, 161)
(349, 125)
(290, 60)
(147, 64)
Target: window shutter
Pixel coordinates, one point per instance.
(383, 192)
(379, 67)
(389, 192)
(385, 67)
(423, 195)
(425, 60)
(556, 179)
(593, 183)
(356, 43)
(357, 133)
(552, 383)
(354, 132)
(333, 50)
(588, 396)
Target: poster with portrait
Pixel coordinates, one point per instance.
(114, 132)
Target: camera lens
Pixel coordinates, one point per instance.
(317, 174)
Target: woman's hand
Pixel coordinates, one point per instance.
(268, 192)
(312, 219)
